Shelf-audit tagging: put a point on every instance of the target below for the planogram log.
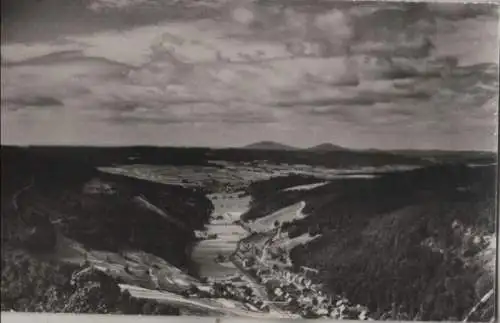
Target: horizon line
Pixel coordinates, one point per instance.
(104, 146)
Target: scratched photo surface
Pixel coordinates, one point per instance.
(259, 159)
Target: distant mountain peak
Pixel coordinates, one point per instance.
(327, 147)
(269, 145)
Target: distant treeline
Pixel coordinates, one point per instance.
(105, 156)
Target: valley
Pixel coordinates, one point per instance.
(256, 238)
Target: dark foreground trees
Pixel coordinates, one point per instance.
(35, 285)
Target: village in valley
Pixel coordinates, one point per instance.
(267, 280)
(289, 291)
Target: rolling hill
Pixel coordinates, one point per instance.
(327, 147)
(269, 145)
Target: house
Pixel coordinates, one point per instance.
(308, 270)
(278, 291)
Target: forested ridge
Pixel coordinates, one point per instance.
(45, 198)
(418, 244)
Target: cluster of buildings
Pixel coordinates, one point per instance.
(242, 293)
(231, 290)
(296, 292)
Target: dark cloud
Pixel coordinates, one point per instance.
(337, 113)
(379, 24)
(239, 117)
(348, 82)
(479, 81)
(459, 11)
(43, 20)
(402, 73)
(390, 120)
(418, 49)
(225, 118)
(330, 101)
(465, 76)
(69, 56)
(366, 98)
(320, 6)
(117, 104)
(395, 110)
(365, 116)
(38, 101)
(138, 120)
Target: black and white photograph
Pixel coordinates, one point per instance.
(251, 159)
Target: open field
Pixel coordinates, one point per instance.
(287, 214)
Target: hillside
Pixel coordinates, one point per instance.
(268, 145)
(47, 200)
(422, 240)
(473, 157)
(327, 147)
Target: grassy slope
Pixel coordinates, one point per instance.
(391, 239)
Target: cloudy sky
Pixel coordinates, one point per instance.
(228, 73)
